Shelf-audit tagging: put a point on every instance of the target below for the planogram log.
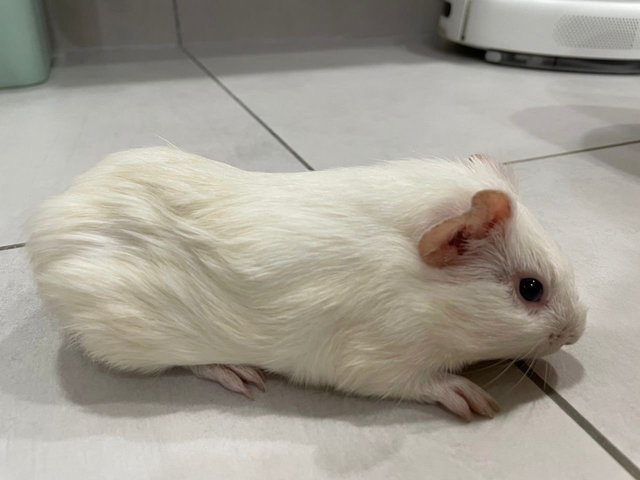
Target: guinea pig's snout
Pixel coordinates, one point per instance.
(567, 335)
(570, 339)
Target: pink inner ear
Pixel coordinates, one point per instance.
(442, 244)
(488, 209)
(458, 242)
(445, 243)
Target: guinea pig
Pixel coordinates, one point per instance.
(380, 280)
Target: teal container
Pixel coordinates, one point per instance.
(25, 58)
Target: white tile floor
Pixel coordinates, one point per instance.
(63, 417)
(354, 105)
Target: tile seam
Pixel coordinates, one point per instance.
(231, 94)
(12, 246)
(572, 152)
(590, 429)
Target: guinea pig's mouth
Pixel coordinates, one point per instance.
(543, 351)
(553, 345)
(557, 340)
(553, 342)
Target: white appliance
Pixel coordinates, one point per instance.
(564, 34)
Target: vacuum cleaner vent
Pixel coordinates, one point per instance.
(577, 35)
(580, 31)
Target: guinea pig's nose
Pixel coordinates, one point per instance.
(569, 337)
(564, 337)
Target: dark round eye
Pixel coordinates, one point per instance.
(531, 289)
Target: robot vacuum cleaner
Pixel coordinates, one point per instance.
(577, 35)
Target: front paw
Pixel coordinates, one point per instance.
(462, 397)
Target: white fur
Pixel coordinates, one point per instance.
(157, 258)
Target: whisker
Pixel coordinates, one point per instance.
(530, 367)
(562, 369)
(511, 363)
(486, 367)
(521, 358)
(546, 371)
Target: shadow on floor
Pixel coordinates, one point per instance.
(64, 395)
(43, 371)
(549, 124)
(627, 160)
(29, 350)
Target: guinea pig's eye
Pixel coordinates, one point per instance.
(530, 289)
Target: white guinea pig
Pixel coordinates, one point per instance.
(381, 280)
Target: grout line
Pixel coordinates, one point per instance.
(176, 22)
(228, 91)
(582, 422)
(564, 154)
(247, 109)
(12, 246)
(298, 157)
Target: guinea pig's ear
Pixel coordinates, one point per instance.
(446, 243)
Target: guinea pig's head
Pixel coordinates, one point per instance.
(510, 291)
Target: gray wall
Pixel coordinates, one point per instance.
(82, 24)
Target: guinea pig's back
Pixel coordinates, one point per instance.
(125, 262)
(156, 258)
